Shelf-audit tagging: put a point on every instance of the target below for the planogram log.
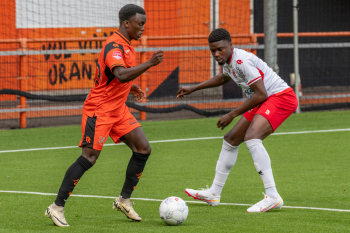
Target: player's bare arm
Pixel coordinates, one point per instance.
(137, 92)
(216, 81)
(260, 95)
(128, 74)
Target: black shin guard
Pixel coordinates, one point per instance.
(71, 178)
(133, 173)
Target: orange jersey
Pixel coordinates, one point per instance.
(108, 96)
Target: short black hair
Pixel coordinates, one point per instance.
(130, 10)
(219, 34)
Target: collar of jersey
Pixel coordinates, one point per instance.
(119, 34)
(233, 50)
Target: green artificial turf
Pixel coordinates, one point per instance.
(310, 170)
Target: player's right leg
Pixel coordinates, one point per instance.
(226, 161)
(74, 173)
(90, 153)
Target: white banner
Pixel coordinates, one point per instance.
(69, 13)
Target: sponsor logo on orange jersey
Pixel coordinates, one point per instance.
(117, 54)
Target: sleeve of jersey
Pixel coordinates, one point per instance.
(115, 58)
(251, 72)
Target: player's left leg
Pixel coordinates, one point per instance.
(130, 132)
(259, 130)
(272, 113)
(138, 143)
(141, 150)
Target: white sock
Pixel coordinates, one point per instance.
(271, 192)
(262, 164)
(227, 159)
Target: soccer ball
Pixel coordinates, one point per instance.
(173, 211)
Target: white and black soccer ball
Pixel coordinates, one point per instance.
(173, 211)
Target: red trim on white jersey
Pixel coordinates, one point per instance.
(254, 80)
(261, 73)
(261, 76)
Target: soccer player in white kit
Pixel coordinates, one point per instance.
(270, 102)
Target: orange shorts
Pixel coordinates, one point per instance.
(276, 109)
(95, 130)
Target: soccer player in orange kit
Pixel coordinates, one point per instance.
(105, 113)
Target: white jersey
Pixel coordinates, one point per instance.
(245, 69)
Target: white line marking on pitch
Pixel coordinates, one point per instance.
(149, 199)
(175, 140)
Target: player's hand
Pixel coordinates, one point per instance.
(186, 90)
(225, 120)
(138, 93)
(156, 58)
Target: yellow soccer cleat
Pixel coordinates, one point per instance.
(56, 213)
(125, 206)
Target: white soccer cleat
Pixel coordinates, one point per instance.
(266, 204)
(204, 195)
(56, 213)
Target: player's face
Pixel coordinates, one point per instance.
(221, 51)
(136, 26)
